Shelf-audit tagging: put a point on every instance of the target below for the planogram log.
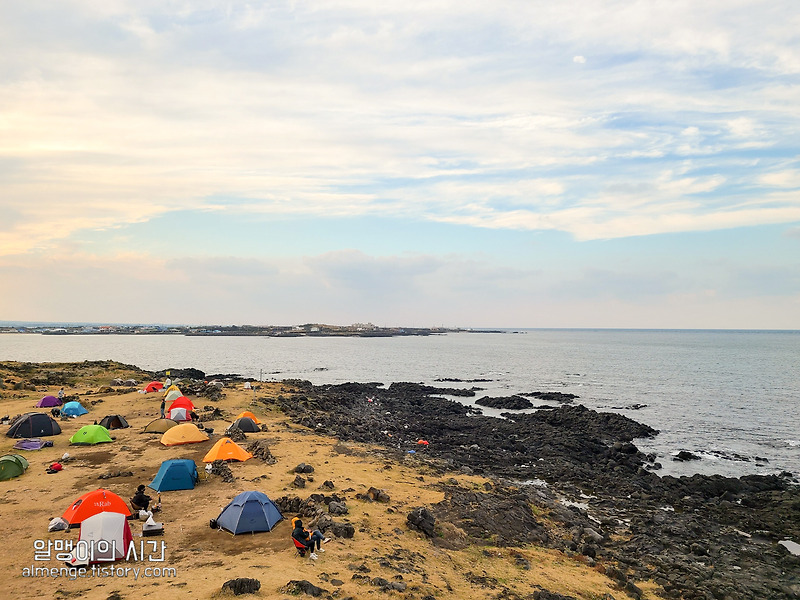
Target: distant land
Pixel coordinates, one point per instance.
(309, 329)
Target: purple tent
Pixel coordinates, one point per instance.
(48, 401)
(29, 444)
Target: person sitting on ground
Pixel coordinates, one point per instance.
(140, 500)
(307, 538)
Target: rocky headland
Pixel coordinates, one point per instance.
(697, 537)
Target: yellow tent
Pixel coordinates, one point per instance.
(187, 433)
(249, 415)
(227, 449)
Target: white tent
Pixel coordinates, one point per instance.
(179, 414)
(104, 537)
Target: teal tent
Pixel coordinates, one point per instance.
(73, 409)
(175, 474)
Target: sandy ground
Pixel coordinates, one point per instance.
(198, 559)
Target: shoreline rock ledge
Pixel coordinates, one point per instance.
(700, 537)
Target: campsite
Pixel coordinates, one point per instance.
(199, 559)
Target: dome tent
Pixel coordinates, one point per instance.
(48, 402)
(179, 415)
(74, 409)
(175, 474)
(154, 386)
(186, 433)
(227, 449)
(182, 402)
(94, 502)
(12, 465)
(249, 512)
(114, 422)
(172, 394)
(34, 425)
(89, 435)
(159, 425)
(109, 527)
(247, 414)
(180, 409)
(246, 424)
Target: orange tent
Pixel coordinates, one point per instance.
(91, 503)
(154, 386)
(227, 449)
(249, 415)
(182, 402)
(187, 433)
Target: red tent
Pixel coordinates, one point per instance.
(181, 402)
(91, 503)
(154, 386)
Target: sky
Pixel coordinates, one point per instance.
(593, 163)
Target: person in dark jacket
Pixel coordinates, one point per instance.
(308, 538)
(141, 499)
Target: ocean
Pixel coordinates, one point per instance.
(730, 397)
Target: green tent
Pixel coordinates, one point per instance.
(12, 465)
(89, 435)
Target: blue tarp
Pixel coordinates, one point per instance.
(175, 474)
(249, 512)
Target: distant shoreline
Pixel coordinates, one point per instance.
(308, 330)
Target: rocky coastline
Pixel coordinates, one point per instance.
(699, 537)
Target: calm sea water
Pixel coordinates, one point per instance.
(732, 397)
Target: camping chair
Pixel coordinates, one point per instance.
(301, 548)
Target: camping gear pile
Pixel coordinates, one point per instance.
(31, 444)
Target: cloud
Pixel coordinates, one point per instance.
(789, 178)
(126, 113)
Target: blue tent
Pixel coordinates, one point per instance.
(73, 409)
(175, 474)
(249, 512)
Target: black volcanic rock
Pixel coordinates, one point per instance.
(506, 402)
(697, 537)
(552, 396)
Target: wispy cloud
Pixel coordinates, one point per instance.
(121, 114)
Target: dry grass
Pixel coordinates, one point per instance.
(204, 558)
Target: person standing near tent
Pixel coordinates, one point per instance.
(61, 394)
(163, 406)
(309, 539)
